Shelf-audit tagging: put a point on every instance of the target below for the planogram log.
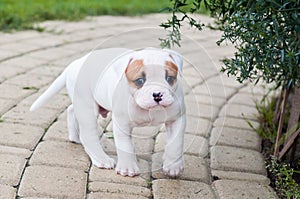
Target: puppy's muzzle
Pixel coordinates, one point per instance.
(157, 96)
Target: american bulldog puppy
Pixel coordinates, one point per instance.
(140, 88)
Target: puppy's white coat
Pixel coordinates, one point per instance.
(139, 87)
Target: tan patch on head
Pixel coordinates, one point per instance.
(134, 71)
(171, 68)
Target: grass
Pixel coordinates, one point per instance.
(284, 177)
(21, 14)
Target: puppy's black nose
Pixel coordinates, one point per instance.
(157, 96)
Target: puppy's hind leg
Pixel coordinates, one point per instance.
(73, 126)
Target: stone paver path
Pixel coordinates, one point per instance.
(222, 153)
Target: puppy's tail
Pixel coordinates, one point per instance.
(58, 84)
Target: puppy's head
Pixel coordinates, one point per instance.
(152, 78)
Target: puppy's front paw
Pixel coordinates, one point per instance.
(173, 168)
(127, 168)
(104, 163)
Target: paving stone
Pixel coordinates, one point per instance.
(232, 175)
(110, 175)
(63, 154)
(245, 99)
(13, 92)
(25, 153)
(235, 123)
(166, 188)
(146, 131)
(56, 182)
(242, 189)
(10, 70)
(6, 104)
(11, 169)
(58, 131)
(42, 117)
(198, 126)
(59, 102)
(47, 70)
(123, 189)
(108, 143)
(51, 53)
(20, 135)
(195, 168)
(237, 159)
(18, 47)
(7, 192)
(224, 80)
(97, 195)
(239, 138)
(204, 99)
(4, 54)
(193, 145)
(255, 90)
(239, 111)
(143, 147)
(202, 72)
(201, 110)
(214, 90)
(25, 62)
(27, 81)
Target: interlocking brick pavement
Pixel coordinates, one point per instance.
(221, 155)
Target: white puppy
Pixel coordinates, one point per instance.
(139, 87)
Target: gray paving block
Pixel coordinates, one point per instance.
(232, 175)
(59, 102)
(14, 92)
(239, 111)
(213, 90)
(146, 131)
(58, 131)
(42, 117)
(11, 168)
(97, 195)
(62, 154)
(104, 175)
(143, 147)
(224, 80)
(247, 99)
(123, 189)
(193, 145)
(20, 135)
(195, 168)
(166, 188)
(51, 53)
(242, 189)
(205, 99)
(201, 110)
(30, 80)
(7, 192)
(226, 136)
(237, 159)
(9, 70)
(15, 151)
(57, 182)
(239, 123)
(198, 126)
(6, 104)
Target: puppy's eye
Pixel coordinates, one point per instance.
(170, 80)
(139, 82)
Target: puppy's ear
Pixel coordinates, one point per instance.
(176, 57)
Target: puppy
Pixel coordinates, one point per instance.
(139, 87)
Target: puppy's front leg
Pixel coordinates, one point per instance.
(127, 164)
(172, 158)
